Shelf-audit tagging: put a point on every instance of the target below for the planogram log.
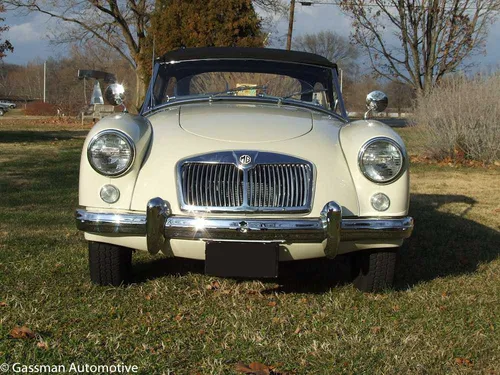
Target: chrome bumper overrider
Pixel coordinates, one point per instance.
(159, 225)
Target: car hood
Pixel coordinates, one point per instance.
(245, 123)
(318, 144)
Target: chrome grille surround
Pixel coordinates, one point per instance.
(219, 182)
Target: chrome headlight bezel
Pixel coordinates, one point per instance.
(124, 137)
(393, 143)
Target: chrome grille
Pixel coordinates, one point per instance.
(269, 182)
(212, 185)
(279, 185)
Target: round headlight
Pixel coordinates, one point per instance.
(111, 153)
(381, 160)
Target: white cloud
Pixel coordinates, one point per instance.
(311, 19)
(25, 32)
(29, 36)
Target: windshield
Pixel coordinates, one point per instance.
(245, 79)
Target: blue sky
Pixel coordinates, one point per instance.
(30, 34)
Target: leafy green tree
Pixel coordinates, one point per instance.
(210, 23)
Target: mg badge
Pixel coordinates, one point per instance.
(245, 159)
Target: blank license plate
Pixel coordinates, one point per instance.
(241, 259)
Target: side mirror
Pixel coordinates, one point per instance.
(376, 101)
(115, 94)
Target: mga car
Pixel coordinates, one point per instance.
(244, 157)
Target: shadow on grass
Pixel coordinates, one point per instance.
(442, 244)
(304, 276)
(18, 136)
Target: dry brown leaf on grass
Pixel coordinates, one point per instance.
(376, 329)
(214, 285)
(272, 303)
(257, 368)
(254, 368)
(22, 333)
(42, 345)
(3, 303)
(463, 361)
(178, 317)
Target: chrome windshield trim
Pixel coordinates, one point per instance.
(161, 226)
(272, 100)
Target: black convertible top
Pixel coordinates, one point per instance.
(272, 54)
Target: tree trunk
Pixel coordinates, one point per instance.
(140, 89)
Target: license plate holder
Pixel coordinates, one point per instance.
(242, 259)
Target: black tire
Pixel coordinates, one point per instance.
(109, 264)
(373, 270)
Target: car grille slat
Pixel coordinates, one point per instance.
(275, 190)
(295, 185)
(279, 185)
(224, 188)
(283, 187)
(268, 187)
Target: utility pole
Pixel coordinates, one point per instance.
(44, 79)
(341, 77)
(290, 25)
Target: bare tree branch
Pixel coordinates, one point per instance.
(430, 37)
(334, 47)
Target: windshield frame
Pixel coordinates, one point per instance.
(149, 106)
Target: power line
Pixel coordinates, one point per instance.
(385, 5)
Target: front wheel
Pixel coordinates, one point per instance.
(109, 264)
(373, 270)
(1, 112)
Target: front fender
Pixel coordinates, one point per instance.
(352, 137)
(139, 129)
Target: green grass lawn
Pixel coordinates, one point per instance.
(442, 316)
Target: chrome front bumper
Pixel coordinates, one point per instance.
(160, 225)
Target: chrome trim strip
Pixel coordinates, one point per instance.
(381, 228)
(159, 226)
(106, 222)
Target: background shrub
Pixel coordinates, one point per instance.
(460, 119)
(41, 109)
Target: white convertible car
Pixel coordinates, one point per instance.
(244, 157)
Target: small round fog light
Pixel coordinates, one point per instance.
(110, 193)
(380, 202)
